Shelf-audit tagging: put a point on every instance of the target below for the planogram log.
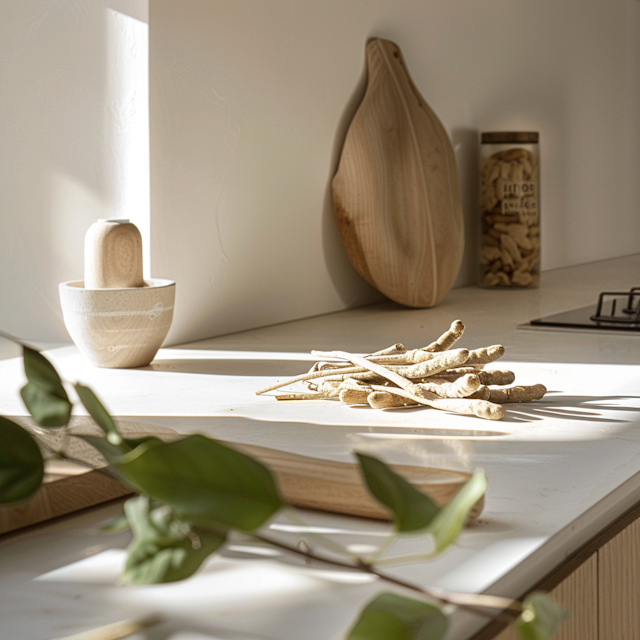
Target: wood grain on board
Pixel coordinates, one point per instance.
(395, 194)
(327, 485)
(305, 482)
(67, 488)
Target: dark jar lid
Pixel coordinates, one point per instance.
(509, 137)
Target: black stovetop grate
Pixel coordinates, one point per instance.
(616, 310)
(607, 307)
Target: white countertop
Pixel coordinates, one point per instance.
(559, 469)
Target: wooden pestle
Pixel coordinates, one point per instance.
(113, 255)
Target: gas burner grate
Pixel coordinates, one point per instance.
(616, 312)
(629, 315)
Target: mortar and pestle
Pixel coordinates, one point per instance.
(115, 317)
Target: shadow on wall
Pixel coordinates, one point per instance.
(466, 145)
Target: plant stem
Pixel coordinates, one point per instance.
(328, 543)
(375, 557)
(467, 601)
(404, 559)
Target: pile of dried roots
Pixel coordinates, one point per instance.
(448, 379)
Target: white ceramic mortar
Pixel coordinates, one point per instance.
(118, 328)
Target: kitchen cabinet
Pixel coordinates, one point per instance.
(578, 594)
(619, 586)
(602, 595)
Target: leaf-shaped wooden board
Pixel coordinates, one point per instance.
(395, 193)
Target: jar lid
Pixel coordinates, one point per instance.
(506, 137)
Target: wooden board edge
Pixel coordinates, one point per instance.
(62, 497)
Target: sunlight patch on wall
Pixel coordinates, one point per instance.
(127, 121)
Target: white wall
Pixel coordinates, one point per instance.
(250, 100)
(249, 103)
(73, 144)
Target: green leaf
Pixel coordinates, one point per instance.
(412, 510)
(540, 617)
(446, 526)
(164, 548)
(47, 409)
(21, 463)
(390, 616)
(204, 480)
(99, 414)
(43, 395)
(113, 453)
(41, 372)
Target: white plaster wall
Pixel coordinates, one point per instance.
(73, 144)
(249, 104)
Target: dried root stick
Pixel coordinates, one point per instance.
(366, 377)
(485, 355)
(463, 387)
(496, 376)
(454, 374)
(483, 393)
(361, 363)
(442, 362)
(354, 396)
(465, 406)
(302, 396)
(325, 366)
(325, 390)
(353, 391)
(425, 397)
(393, 350)
(330, 388)
(450, 375)
(344, 371)
(385, 357)
(396, 349)
(386, 400)
(518, 394)
(487, 376)
(412, 356)
(449, 337)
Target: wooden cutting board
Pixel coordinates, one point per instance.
(304, 481)
(395, 194)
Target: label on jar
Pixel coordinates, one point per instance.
(519, 198)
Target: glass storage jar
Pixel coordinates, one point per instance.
(510, 206)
